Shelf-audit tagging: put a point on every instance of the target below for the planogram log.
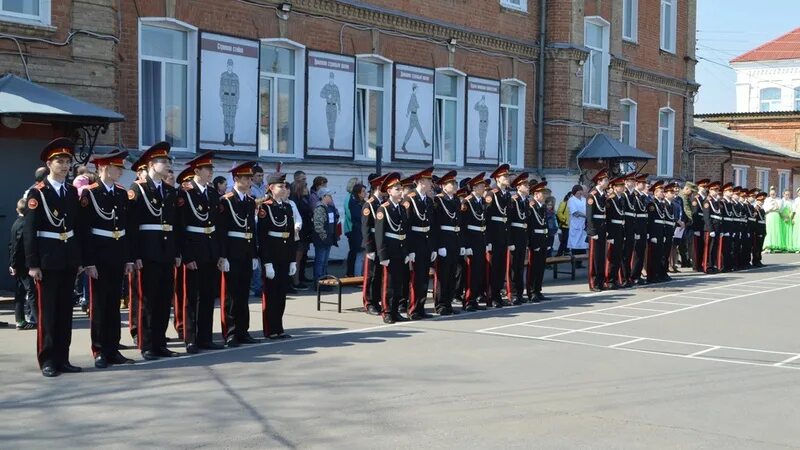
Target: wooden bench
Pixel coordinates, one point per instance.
(571, 259)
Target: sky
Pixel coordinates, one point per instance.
(726, 29)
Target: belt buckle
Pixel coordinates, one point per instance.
(208, 230)
(63, 236)
(166, 227)
(115, 235)
(248, 235)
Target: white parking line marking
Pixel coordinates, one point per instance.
(626, 343)
(612, 314)
(787, 361)
(672, 303)
(578, 320)
(709, 349)
(642, 309)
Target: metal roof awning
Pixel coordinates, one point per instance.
(30, 101)
(601, 146)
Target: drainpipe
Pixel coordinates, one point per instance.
(540, 88)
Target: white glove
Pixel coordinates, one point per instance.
(371, 256)
(292, 268)
(433, 256)
(468, 251)
(595, 237)
(637, 236)
(225, 265)
(512, 247)
(654, 240)
(610, 241)
(385, 262)
(712, 234)
(407, 260)
(697, 233)
(443, 252)
(411, 257)
(269, 271)
(488, 247)
(462, 251)
(549, 248)
(255, 263)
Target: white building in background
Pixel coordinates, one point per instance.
(768, 77)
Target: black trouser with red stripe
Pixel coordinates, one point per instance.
(497, 272)
(639, 258)
(516, 270)
(54, 303)
(445, 287)
(597, 261)
(655, 260)
(758, 245)
(710, 251)
(273, 300)
(418, 283)
(236, 310)
(156, 279)
(373, 281)
(104, 309)
(614, 254)
(177, 302)
(698, 259)
(201, 290)
(461, 278)
(536, 266)
(393, 285)
(475, 276)
(134, 303)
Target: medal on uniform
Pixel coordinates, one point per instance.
(199, 207)
(55, 213)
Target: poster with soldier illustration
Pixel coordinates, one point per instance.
(413, 113)
(331, 104)
(228, 93)
(483, 120)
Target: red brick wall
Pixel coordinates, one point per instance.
(646, 53)
(719, 166)
(784, 133)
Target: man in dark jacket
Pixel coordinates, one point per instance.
(325, 220)
(24, 297)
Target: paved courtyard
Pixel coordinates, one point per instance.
(701, 362)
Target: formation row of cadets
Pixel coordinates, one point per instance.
(630, 224)
(481, 235)
(153, 228)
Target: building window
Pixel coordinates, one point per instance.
(512, 122)
(783, 181)
(519, 5)
(740, 175)
(770, 99)
(167, 83)
(25, 11)
(595, 72)
(797, 99)
(762, 179)
(630, 20)
(669, 19)
(373, 86)
(666, 141)
(280, 91)
(627, 124)
(448, 118)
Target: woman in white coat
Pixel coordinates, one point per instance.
(577, 222)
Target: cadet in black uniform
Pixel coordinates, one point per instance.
(447, 235)
(760, 229)
(629, 204)
(699, 224)
(134, 282)
(461, 267)
(712, 215)
(184, 181)
(538, 243)
(53, 255)
(421, 242)
(725, 258)
(236, 226)
(153, 242)
(473, 224)
(656, 225)
(615, 232)
(373, 274)
(596, 230)
(497, 235)
(276, 248)
(640, 202)
(390, 240)
(106, 256)
(670, 221)
(518, 217)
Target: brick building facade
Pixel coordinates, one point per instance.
(781, 127)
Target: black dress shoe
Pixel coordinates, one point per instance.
(453, 311)
(211, 346)
(518, 302)
(191, 349)
(541, 297)
(372, 311)
(124, 347)
(499, 304)
(49, 371)
(444, 312)
(150, 355)
(118, 358)
(641, 282)
(69, 368)
(388, 319)
(535, 299)
(595, 289)
(100, 362)
(247, 339)
(232, 341)
(524, 300)
(427, 316)
(400, 318)
(415, 316)
(166, 353)
(273, 337)
(284, 336)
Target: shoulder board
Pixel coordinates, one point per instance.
(515, 197)
(441, 195)
(140, 181)
(495, 190)
(39, 185)
(468, 198)
(228, 195)
(119, 186)
(406, 204)
(372, 199)
(385, 204)
(269, 202)
(92, 186)
(412, 194)
(187, 186)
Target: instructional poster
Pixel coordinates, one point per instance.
(331, 104)
(413, 113)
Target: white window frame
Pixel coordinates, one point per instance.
(518, 5)
(522, 93)
(191, 78)
(670, 46)
(605, 62)
(631, 123)
(633, 12)
(783, 181)
(43, 18)
(772, 104)
(666, 171)
(739, 174)
(762, 178)
(298, 140)
(387, 65)
(797, 98)
(460, 115)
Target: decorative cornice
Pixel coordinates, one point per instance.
(680, 86)
(398, 21)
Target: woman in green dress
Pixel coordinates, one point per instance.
(773, 242)
(787, 207)
(796, 223)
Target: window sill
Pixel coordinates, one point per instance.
(513, 10)
(25, 24)
(667, 52)
(595, 107)
(630, 41)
